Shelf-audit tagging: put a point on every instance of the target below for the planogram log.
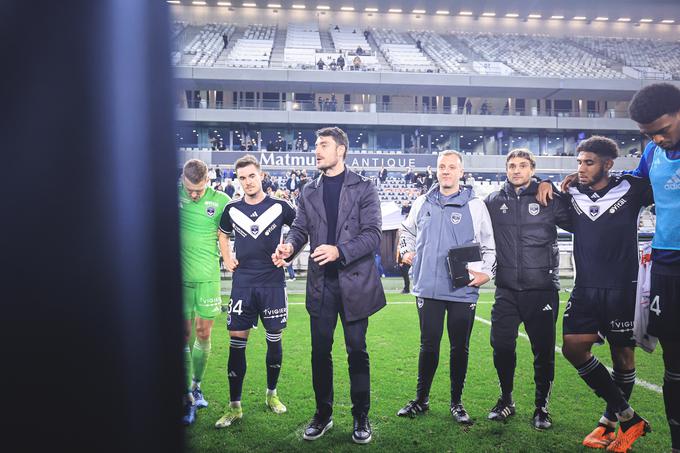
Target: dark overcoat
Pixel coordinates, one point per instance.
(358, 231)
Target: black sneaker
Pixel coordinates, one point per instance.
(317, 427)
(542, 419)
(460, 414)
(502, 410)
(405, 291)
(413, 409)
(362, 433)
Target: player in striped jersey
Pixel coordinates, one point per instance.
(258, 287)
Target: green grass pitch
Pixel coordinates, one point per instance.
(393, 342)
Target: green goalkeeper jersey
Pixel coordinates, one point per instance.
(198, 225)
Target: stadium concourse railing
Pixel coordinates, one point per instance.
(326, 104)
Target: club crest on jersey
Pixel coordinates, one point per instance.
(420, 302)
(254, 229)
(534, 208)
(456, 218)
(210, 210)
(594, 210)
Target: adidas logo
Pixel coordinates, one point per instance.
(254, 214)
(594, 196)
(673, 182)
(547, 308)
(232, 374)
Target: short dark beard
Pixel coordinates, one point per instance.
(603, 174)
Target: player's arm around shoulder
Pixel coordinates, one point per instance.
(408, 231)
(483, 229)
(642, 186)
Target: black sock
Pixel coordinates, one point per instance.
(597, 377)
(274, 358)
(505, 362)
(671, 399)
(236, 367)
(625, 381)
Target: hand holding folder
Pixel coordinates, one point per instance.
(457, 260)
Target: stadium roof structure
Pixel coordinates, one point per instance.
(629, 11)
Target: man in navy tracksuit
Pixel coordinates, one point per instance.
(447, 215)
(527, 282)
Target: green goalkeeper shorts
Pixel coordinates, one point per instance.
(202, 299)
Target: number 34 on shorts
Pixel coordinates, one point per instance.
(248, 305)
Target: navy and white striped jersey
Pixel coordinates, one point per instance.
(257, 231)
(605, 224)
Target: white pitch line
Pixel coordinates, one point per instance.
(558, 349)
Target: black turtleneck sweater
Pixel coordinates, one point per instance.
(332, 185)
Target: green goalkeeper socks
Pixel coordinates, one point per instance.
(200, 356)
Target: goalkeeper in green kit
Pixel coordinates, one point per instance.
(200, 211)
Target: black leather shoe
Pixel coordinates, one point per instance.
(317, 427)
(362, 430)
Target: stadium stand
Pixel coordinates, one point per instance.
(254, 48)
(540, 55)
(401, 52)
(441, 52)
(205, 49)
(637, 52)
(348, 43)
(302, 43)
(397, 190)
(529, 55)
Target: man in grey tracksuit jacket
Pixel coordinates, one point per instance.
(448, 215)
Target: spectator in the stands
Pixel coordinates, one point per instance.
(382, 175)
(419, 45)
(357, 63)
(468, 107)
(359, 51)
(305, 145)
(341, 63)
(303, 179)
(429, 177)
(366, 34)
(320, 64)
(408, 176)
(405, 207)
(336, 28)
(229, 188)
(293, 182)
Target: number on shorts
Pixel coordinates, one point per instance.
(654, 306)
(236, 307)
